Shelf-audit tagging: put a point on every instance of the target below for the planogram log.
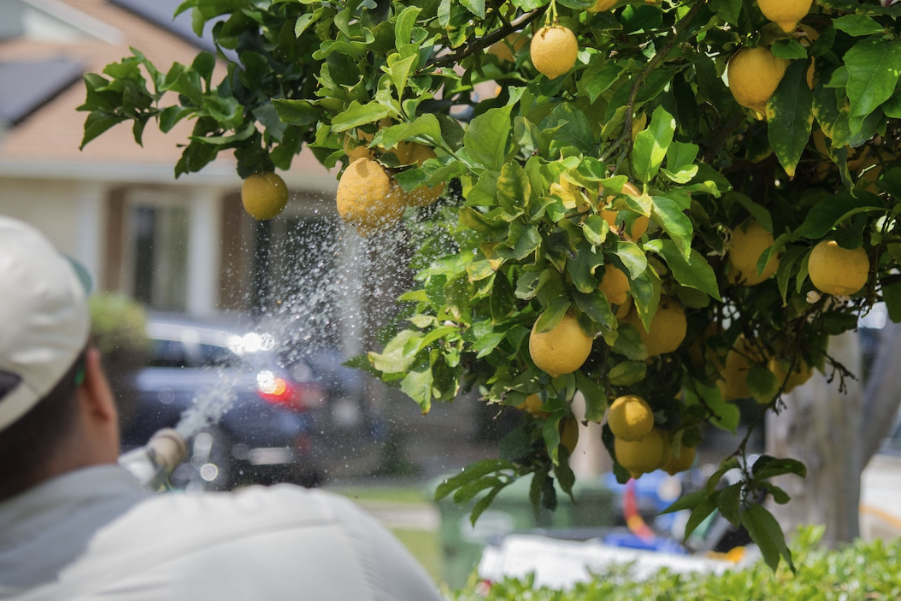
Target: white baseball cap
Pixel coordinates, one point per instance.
(44, 318)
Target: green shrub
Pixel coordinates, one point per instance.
(858, 572)
(119, 330)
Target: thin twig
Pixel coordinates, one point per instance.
(478, 44)
(658, 58)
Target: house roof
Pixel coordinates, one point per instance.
(29, 84)
(47, 140)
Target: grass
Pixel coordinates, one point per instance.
(386, 494)
(425, 547)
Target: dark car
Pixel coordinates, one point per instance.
(246, 418)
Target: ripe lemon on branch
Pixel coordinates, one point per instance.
(368, 198)
(785, 13)
(615, 219)
(602, 5)
(264, 195)
(836, 270)
(641, 456)
(554, 51)
(800, 373)
(630, 418)
(668, 328)
(561, 350)
(615, 285)
(754, 74)
(749, 240)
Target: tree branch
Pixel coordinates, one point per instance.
(478, 44)
(658, 58)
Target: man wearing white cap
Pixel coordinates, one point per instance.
(74, 525)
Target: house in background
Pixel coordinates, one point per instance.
(176, 245)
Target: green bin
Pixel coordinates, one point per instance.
(511, 511)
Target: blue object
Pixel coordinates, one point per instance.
(628, 540)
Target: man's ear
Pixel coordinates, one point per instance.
(95, 390)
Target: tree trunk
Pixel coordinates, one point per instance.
(883, 392)
(821, 427)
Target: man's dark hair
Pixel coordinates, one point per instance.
(29, 443)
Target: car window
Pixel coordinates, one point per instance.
(168, 353)
(213, 354)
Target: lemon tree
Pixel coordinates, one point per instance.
(700, 149)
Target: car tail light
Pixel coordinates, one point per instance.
(277, 390)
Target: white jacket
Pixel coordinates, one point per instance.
(95, 534)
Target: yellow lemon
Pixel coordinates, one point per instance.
(561, 350)
(799, 374)
(509, 47)
(733, 383)
(630, 418)
(422, 196)
(554, 51)
(672, 465)
(786, 13)
(749, 240)
(668, 328)
(569, 433)
(754, 74)
(532, 405)
(836, 270)
(368, 197)
(602, 5)
(616, 219)
(640, 456)
(615, 284)
(264, 196)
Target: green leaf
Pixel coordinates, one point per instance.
(873, 71)
(760, 214)
(596, 306)
(595, 397)
(651, 145)
(788, 49)
(582, 267)
(595, 230)
(418, 386)
(404, 24)
(766, 532)
(476, 7)
(296, 112)
(304, 21)
(763, 384)
(602, 80)
(857, 25)
(700, 513)
(627, 373)
(766, 467)
(484, 503)
(632, 257)
(471, 473)
(729, 503)
(400, 71)
(513, 189)
(522, 241)
(478, 222)
(486, 139)
(669, 216)
(553, 315)
(790, 114)
(695, 273)
(395, 358)
(359, 114)
(96, 124)
(892, 297)
(688, 501)
(831, 211)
